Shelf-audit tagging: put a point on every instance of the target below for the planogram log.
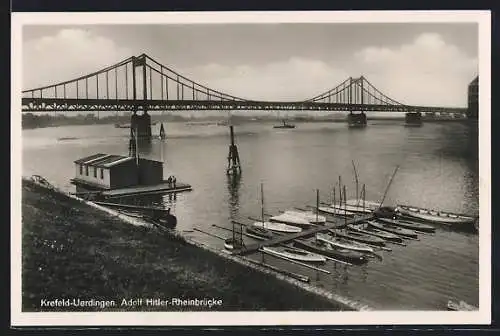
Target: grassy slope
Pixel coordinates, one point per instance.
(71, 250)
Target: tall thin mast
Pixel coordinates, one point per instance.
(357, 182)
(317, 205)
(262, 202)
(387, 189)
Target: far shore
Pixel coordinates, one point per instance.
(74, 121)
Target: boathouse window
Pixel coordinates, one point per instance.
(81, 169)
(102, 173)
(95, 172)
(87, 170)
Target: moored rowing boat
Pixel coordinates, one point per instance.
(408, 224)
(259, 231)
(377, 233)
(332, 251)
(434, 216)
(309, 216)
(289, 218)
(278, 227)
(393, 229)
(334, 211)
(360, 237)
(294, 254)
(351, 208)
(343, 243)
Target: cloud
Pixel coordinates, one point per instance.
(68, 54)
(429, 71)
(288, 80)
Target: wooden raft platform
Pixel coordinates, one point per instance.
(286, 238)
(163, 188)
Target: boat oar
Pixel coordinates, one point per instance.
(245, 233)
(210, 234)
(237, 222)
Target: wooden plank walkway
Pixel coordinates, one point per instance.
(150, 189)
(304, 233)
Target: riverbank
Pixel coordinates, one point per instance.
(74, 251)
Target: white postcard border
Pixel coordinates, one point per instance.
(483, 316)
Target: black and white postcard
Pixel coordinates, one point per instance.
(251, 168)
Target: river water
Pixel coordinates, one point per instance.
(438, 168)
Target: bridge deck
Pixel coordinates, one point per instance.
(286, 238)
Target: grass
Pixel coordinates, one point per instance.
(71, 250)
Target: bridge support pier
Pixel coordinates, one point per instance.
(413, 119)
(357, 120)
(141, 124)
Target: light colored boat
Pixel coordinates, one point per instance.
(372, 205)
(351, 208)
(310, 216)
(289, 218)
(342, 243)
(460, 306)
(278, 227)
(295, 254)
(434, 216)
(335, 211)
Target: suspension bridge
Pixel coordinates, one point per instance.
(140, 83)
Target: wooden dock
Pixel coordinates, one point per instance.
(164, 188)
(309, 232)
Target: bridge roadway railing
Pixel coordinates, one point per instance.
(286, 238)
(30, 104)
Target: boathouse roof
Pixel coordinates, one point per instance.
(106, 160)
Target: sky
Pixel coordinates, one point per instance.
(427, 64)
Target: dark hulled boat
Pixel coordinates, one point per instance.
(260, 232)
(285, 125)
(331, 251)
(360, 237)
(409, 225)
(393, 229)
(391, 237)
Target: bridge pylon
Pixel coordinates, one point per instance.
(140, 123)
(356, 94)
(413, 119)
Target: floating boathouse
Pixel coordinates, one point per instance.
(107, 171)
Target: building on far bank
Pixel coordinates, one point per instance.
(473, 99)
(107, 171)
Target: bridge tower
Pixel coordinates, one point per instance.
(356, 120)
(413, 119)
(140, 123)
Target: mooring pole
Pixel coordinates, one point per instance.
(340, 191)
(345, 208)
(233, 159)
(317, 205)
(357, 181)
